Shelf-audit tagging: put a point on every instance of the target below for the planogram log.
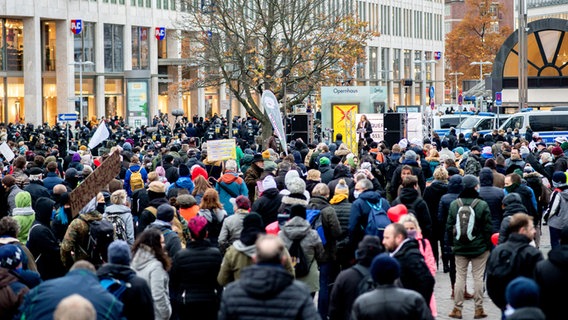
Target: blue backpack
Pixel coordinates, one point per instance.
(314, 218)
(377, 220)
(115, 286)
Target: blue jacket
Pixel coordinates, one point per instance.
(134, 168)
(234, 183)
(183, 183)
(51, 180)
(360, 213)
(41, 302)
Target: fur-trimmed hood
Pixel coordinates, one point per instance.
(293, 199)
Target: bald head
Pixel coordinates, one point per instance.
(75, 307)
(269, 249)
(59, 189)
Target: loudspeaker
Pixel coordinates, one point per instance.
(393, 137)
(301, 122)
(393, 122)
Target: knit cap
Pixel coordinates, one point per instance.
(119, 253)
(10, 256)
(23, 199)
(324, 161)
(165, 212)
(296, 186)
(268, 183)
(385, 269)
(522, 292)
(341, 187)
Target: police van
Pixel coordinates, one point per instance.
(548, 124)
(483, 122)
(442, 124)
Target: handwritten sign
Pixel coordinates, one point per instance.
(218, 150)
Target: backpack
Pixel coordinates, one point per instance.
(136, 181)
(377, 220)
(314, 218)
(502, 267)
(465, 230)
(101, 234)
(299, 260)
(118, 225)
(367, 283)
(214, 226)
(115, 286)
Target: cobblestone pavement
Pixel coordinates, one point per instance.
(443, 290)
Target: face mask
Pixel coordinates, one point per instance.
(511, 188)
(356, 194)
(540, 161)
(411, 234)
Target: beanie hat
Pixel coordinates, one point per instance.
(71, 173)
(165, 212)
(366, 166)
(385, 269)
(198, 170)
(296, 186)
(341, 187)
(459, 150)
(252, 226)
(558, 179)
(268, 183)
(403, 143)
(76, 157)
(241, 202)
(23, 199)
(410, 155)
(266, 155)
(324, 161)
(557, 151)
(184, 171)
(314, 175)
(269, 165)
(290, 175)
(298, 210)
(119, 253)
(470, 181)
(444, 144)
(197, 224)
(522, 292)
(368, 248)
(157, 187)
(127, 146)
(10, 256)
(453, 171)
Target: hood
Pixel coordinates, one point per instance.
(117, 209)
(44, 210)
(296, 228)
(161, 225)
(271, 193)
(370, 195)
(25, 211)
(247, 250)
(395, 156)
(229, 177)
(455, 184)
(411, 163)
(559, 256)
(513, 208)
(297, 156)
(184, 182)
(291, 200)
(324, 168)
(408, 195)
(117, 271)
(486, 177)
(143, 257)
(265, 281)
(439, 186)
(341, 171)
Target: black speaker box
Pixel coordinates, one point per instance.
(393, 137)
(393, 122)
(300, 122)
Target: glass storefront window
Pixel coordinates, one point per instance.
(113, 42)
(15, 100)
(48, 45)
(89, 107)
(114, 98)
(85, 46)
(140, 46)
(49, 100)
(12, 45)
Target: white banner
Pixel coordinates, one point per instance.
(7, 152)
(100, 135)
(272, 108)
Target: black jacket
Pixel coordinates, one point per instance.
(550, 275)
(36, 190)
(267, 292)
(432, 196)
(194, 271)
(414, 273)
(147, 217)
(345, 291)
(137, 298)
(267, 205)
(493, 196)
(410, 198)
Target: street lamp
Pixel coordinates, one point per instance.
(481, 63)
(81, 64)
(456, 74)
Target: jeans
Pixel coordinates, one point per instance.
(554, 237)
(328, 272)
(477, 271)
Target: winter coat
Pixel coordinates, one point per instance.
(148, 215)
(232, 228)
(483, 224)
(343, 212)
(331, 227)
(234, 183)
(194, 273)
(41, 302)
(326, 174)
(25, 217)
(139, 201)
(397, 180)
(267, 292)
(289, 200)
(22, 179)
(267, 205)
(412, 200)
(454, 189)
(360, 213)
(557, 219)
(150, 269)
(510, 210)
(76, 240)
(493, 196)
(432, 196)
(137, 298)
(181, 183)
(173, 242)
(390, 302)
(252, 175)
(299, 228)
(280, 180)
(215, 230)
(124, 213)
(414, 273)
(12, 291)
(12, 192)
(343, 294)
(340, 172)
(551, 274)
(51, 180)
(37, 190)
(128, 174)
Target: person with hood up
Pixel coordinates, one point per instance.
(193, 277)
(298, 228)
(512, 203)
(269, 202)
(119, 207)
(183, 181)
(432, 196)
(151, 263)
(137, 297)
(298, 161)
(164, 219)
(43, 244)
(410, 197)
(492, 195)
(230, 186)
(157, 196)
(233, 225)
(24, 215)
(297, 187)
(325, 169)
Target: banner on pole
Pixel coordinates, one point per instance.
(270, 104)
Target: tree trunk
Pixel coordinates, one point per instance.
(266, 130)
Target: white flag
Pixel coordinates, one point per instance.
(100, 135)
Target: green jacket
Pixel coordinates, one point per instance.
(76, 240)
(483, 229)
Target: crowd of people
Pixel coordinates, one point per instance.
(313, 232)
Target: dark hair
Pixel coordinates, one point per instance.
(51, 167)
(409, 181)
(339, 136)
(151, 239)
(518, 221)
(9, 227)
(9, 180)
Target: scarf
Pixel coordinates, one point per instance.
(337, 198)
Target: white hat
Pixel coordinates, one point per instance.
(487, 150)
(560, 139)
(268, 183)
(403, 143)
